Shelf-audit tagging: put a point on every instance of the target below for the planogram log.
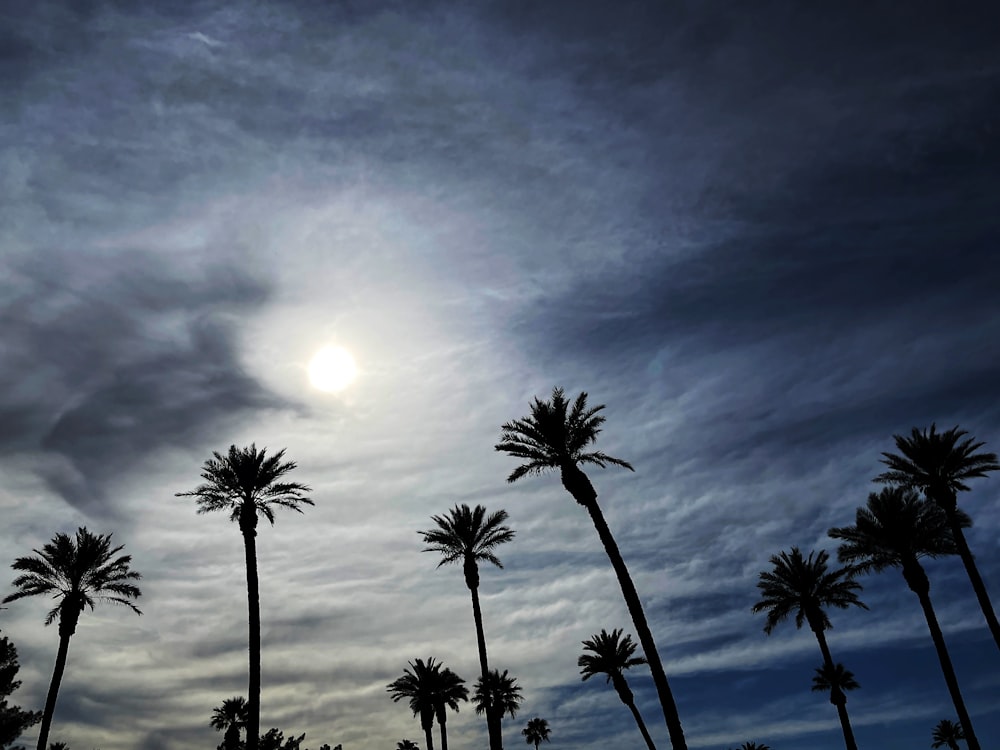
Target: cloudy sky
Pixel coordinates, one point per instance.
(765, 235)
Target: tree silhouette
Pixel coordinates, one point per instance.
(536, 731)
(753, 746)
(246, 483)
(407, 745)
(836, 680)
(948, 733)
(422, 688)
(556, 435)
(13, 719)
(77, 572)
(938, 463)
(449, 690)
(500, 691)
(895, 530)
(469, 536)
(231, 718)
(804, 587)
(611, 655)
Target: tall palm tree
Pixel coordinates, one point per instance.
(536, 731)
(419, 687)
(804, 586)
(500, 691)
(611, 655)
(77, 572)
(837, 680)
(948, 733)
(247, 483)
(469, 536)
(231, 718)
(895, 530)
(556, 435)
(938, 463)
(449, 690)
(407, 745)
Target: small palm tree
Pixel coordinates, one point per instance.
(500, 691)
(77, 572)
(407, 745)
(556, 436)
(449, 690)
(231, 718)
(470, 536)
(948, 733)
(419, 685)
(895, 530)
(837, 681)
(536, 731)
(247, 483)
(611, 655)
(939, 463)
(804, 586)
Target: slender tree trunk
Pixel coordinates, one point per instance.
(642, 725)
(970, 567)
(918, 582)
(249, 528)
(444, 731)
(428, 734)
(580, 487)
(492, 721)
(68, 618)
(837, 696)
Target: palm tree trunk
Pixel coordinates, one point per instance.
(492, 722)
(970, 567)
(642, 725)
(580, 487)
(837, 696)
(253, 611)
(67, 626)
(918, 582)
(444, 731)
(428, 734)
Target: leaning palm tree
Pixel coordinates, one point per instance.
(419, 687)
(895, 530)
(611, 655)
(556, 435)
(836, 680)
(804, 586)
(77, 572)
(449, 690)
(947, 732)
(231, 718)
(247, 483)
(500, 691)
(938, 463)
(536, 731)
(469, 536)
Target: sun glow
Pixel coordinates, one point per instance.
(332, 369)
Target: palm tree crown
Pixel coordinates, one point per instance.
(501, 691)
(232, 712)
(245, 482)
(78, 572)
(610, 655)
(948, 733)
(536, 731)
(555, 435)
(804, 587)
(407, 745)
(468, 535)
(833, 679)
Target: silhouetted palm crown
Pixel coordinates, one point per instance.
(468, 535)
(536, 731)
(937, 463)
(556, 435)
(948, 733)
(610, 655)
(77, 571)
(419, 686)
(449, 689)
(245, 482)
(232, 713)
(833, 679)
(502, 689)
(803, 586)
(407, 745)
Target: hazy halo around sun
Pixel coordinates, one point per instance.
(332, 369)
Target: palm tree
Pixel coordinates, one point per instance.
(449, 690)
(536, 731)
(246, 482)
(420, 687)
(948, 733)
(556, 436)
(837, 680)
(611, 655)
(500, 691)
(938, 463)
(407, 745)
(803, 586)
(753, 746)
(77, 573)
(895, 530)
(231, 718)
(469, 536)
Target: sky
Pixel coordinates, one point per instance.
(765, 235)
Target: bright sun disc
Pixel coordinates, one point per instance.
(332, 369)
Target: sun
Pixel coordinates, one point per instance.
(332, 369)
